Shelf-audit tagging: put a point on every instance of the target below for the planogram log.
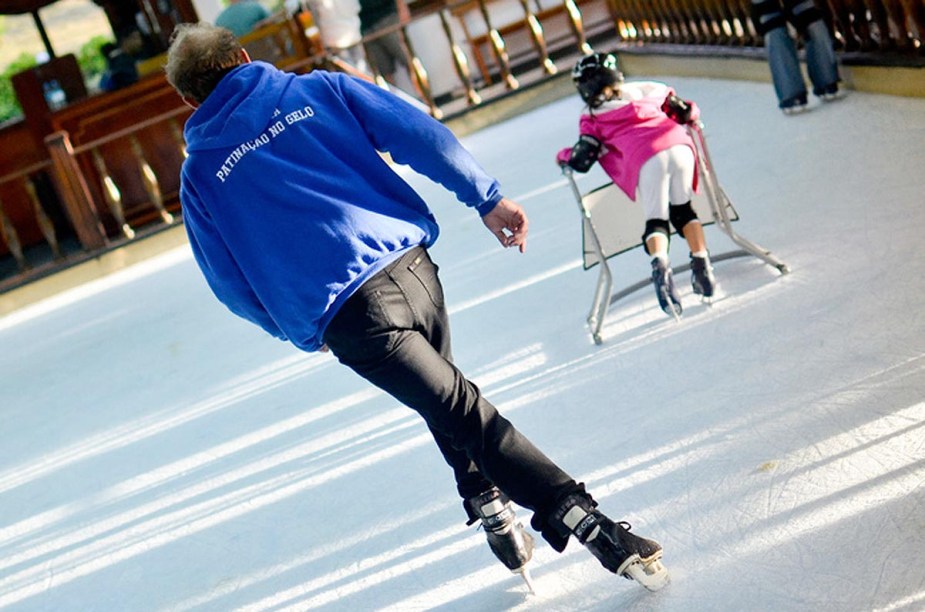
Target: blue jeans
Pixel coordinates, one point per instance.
(394, 332)
(785, 67)
(821, 62)
(771, 18)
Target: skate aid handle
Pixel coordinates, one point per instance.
(681, 111)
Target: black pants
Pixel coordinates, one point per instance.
(394, 332)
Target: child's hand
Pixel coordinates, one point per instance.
(681, 111)
(562, 157)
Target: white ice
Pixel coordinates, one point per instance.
(159, 454)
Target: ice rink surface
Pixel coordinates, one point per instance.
(159, 454)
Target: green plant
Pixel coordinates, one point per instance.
(9, 106)
(91, 61)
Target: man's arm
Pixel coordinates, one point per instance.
(416, 139)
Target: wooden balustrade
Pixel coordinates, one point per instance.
(25, 221)
(866, 25)
(110, 168)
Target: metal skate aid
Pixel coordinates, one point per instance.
(605, 280)
(721, 204)
(618, 550)
(610, 223)
(508, 540)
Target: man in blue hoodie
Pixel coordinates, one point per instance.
(301, 227)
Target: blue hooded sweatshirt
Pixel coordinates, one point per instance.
(288, 204)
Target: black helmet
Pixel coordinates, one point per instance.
(593, 73)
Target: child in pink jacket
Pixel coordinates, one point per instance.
(636, 132)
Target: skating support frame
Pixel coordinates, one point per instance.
(719, 204)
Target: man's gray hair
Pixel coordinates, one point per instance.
(200, 54)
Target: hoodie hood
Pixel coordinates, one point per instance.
(232, 113)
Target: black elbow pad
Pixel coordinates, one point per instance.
(584, 153)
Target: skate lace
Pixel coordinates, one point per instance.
(625, 525)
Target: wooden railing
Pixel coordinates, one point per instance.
(114, 178)
(74, 182)
(25, 179)
(865, 25)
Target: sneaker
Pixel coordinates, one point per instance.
(507, 538)
(665, 291)
(702, 279)
(617, 549)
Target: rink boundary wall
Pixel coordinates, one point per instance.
(896, 80)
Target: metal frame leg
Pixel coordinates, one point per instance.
(605, 278)
(719, 202)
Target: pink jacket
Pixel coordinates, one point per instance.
(632, 128)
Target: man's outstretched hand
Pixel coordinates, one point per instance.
(508, 222)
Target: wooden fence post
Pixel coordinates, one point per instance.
(72, 187)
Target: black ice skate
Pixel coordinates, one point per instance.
(507, 538)
(665, 291)
(618, 550)
(702, 280)
(794, 105)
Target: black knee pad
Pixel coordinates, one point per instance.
(680, 215)
(767, 15)
(801, 13)
(655, 226)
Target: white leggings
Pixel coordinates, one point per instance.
(666, 178)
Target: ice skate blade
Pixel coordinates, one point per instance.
(673, 312)
(653, 576)
(671, 308)
(797, 109)
(528, 578)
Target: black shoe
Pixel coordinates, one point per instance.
(665, 291)
(618, 550)
(702, 279)
(507, 538)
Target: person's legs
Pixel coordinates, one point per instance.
(785, 69)
(681, 167)
(653, 189)
(769, 20)
(680, 193)
(393, 332)
(386, 55)
(821, 63)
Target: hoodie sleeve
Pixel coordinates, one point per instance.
(416, 139)
(222, 272)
